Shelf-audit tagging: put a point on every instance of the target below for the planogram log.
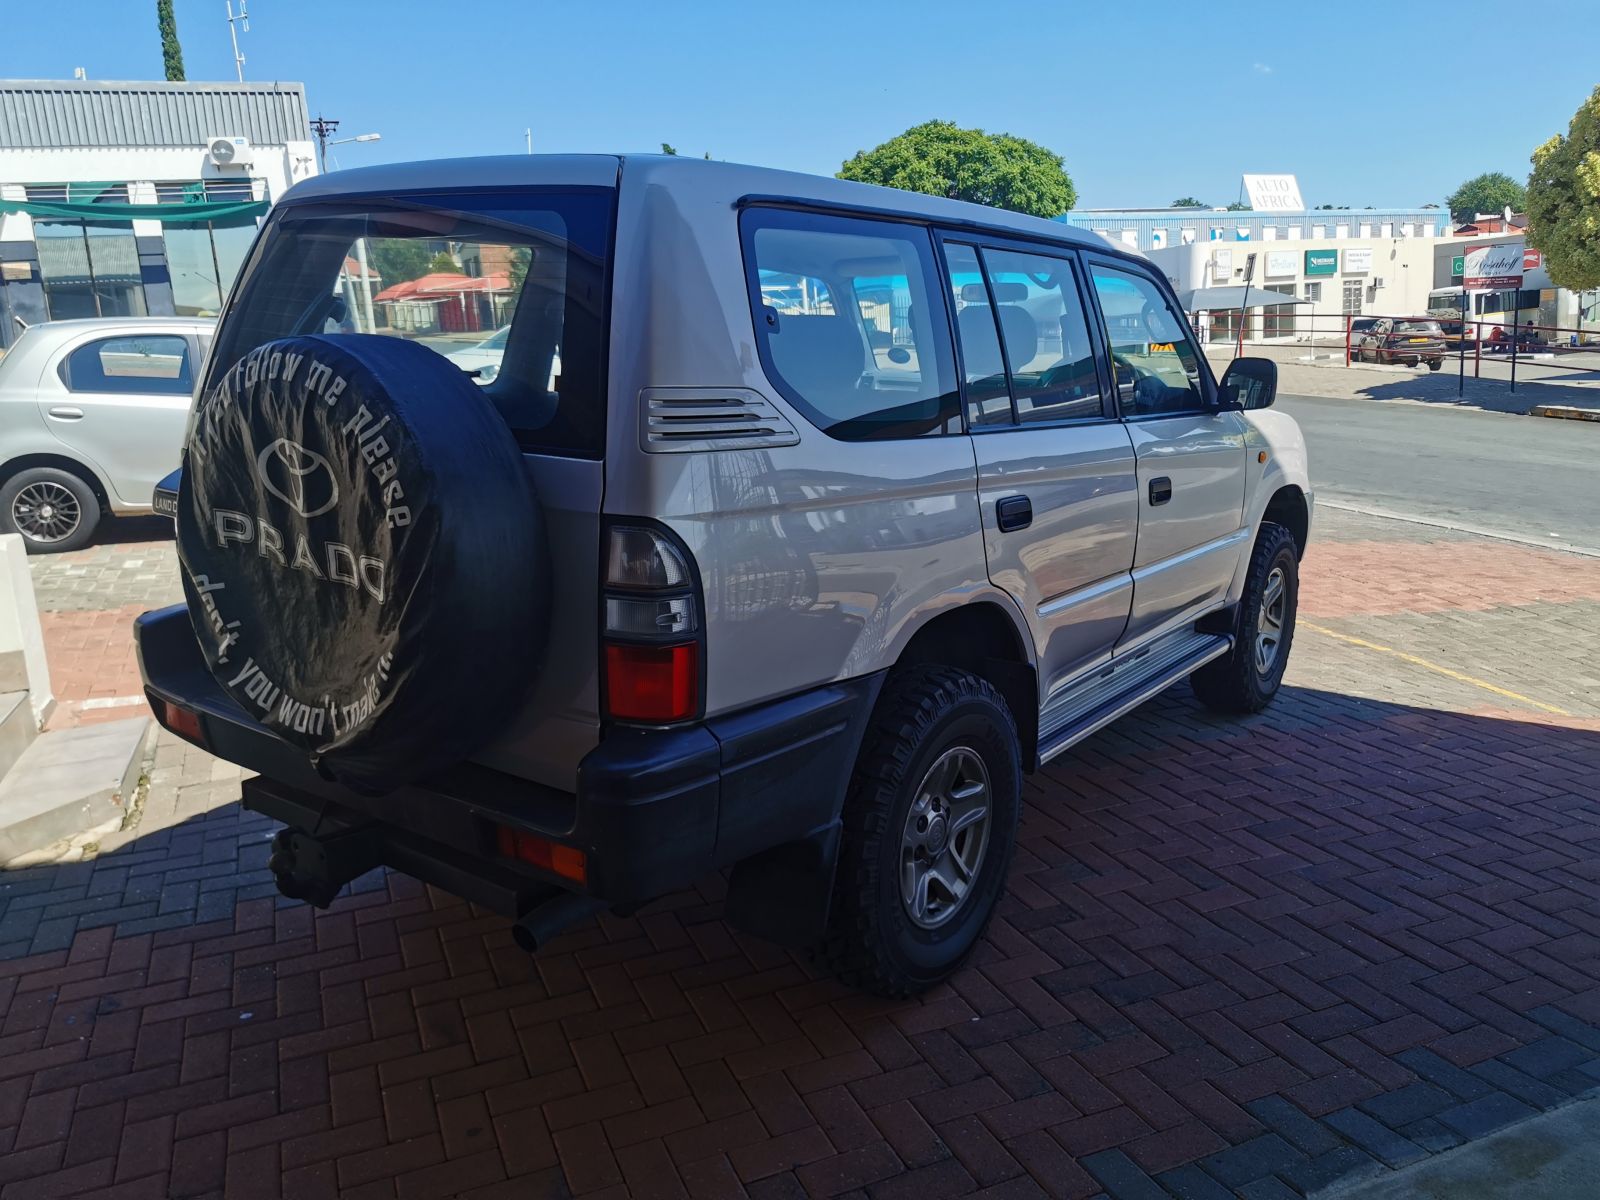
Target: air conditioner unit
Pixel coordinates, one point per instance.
(1378, 282)
(228, 151)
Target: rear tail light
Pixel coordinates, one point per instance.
(652, 651)
(181, 721)
(566, 861)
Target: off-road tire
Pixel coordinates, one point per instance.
(1435, 363)
(89, 511)
(871, 942)
(1232, 683)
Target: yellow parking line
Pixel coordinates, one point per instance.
(1436, 668)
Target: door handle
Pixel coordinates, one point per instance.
(66, 413)
(1012, 513)
(1160, 490)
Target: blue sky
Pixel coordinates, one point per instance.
(1146, 101)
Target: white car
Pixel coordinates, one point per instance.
(482, 359)
(485, 354)
(92, 414)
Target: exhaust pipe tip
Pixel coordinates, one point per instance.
(525, 938)
(534, 928)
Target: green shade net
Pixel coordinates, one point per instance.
(81, 204)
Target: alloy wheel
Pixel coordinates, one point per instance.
(46, 512)
(1270, 623)
(946, 834)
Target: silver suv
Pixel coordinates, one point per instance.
(799, 521)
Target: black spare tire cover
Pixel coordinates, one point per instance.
(361, 554)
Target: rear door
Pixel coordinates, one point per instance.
(1055, 468)
(124, 407)
(1190, 456)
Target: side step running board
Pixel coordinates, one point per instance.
(1128, 687)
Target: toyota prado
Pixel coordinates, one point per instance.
(792, 524)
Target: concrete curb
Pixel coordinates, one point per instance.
(1565, 412)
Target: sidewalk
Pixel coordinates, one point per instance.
(1370, 381)
(1248, 958)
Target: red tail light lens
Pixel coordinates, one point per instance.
(566, 861)
(181, 721)
(652, 683)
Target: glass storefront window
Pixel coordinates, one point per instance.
(203, 261)
(89, 270)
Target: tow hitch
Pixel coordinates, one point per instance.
(313, 868)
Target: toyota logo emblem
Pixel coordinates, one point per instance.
(301, 478)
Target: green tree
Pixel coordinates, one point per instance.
(1189, 202)
(1564, 201)
(443, 262)
(1490, 192)
(666, 149)
(938, 158)
(395, 260)
(171, 50)
(1240, 206)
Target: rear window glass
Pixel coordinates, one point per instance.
(147, 364)
(510, 288)
(852, 331)
(1417, 327)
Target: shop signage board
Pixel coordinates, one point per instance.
(1274, 193)
(1322, 262)
(1493, 267)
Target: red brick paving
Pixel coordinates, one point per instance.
(1251, 955)
(91, 658)
(1376, 578)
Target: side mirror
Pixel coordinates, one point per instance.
(1249, 383)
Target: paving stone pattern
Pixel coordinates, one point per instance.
(1237, 958)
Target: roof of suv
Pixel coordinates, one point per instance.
(735, 180)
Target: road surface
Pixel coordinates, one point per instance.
(1529, 478)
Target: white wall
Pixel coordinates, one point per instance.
(279, 166)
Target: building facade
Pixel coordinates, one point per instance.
(1147, 229)
(137, 199)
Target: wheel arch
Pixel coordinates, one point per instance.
(61, 462)
(982, 637)
(1287, 507)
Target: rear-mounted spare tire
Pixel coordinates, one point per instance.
(361, 554)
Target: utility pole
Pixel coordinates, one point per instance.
(244, 19)
(323, 129)
(528, 134)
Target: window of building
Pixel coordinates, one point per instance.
(1388, 229)
(149, 364)
(877, 365)
(1277, 320)
(203, 261)
(1353, 289)
(1313, 292)
(1040, 313)
(1156, 364)
(1294, 233)
(1319, 231)
(89, 269)
(1341, 231)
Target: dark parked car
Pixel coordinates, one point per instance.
(1410, 342)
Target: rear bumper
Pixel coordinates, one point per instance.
(654, 809)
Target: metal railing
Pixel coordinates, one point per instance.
(1348, 339)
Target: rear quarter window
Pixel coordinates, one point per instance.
(851, 328)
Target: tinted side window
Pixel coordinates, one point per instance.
(1053, 373)
(1157, 368)
(988, 398)
(849, 326)
(146, 364)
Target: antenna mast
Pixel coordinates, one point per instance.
(244, 19)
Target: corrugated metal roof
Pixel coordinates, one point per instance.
(39, 114)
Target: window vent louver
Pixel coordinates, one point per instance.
(685, 420)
